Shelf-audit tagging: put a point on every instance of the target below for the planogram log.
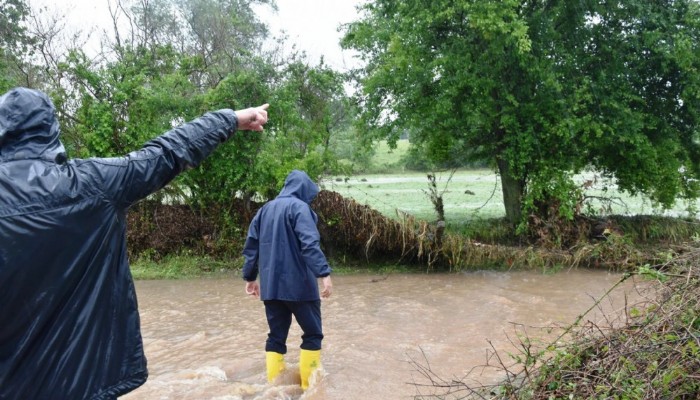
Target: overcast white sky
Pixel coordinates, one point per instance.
(311, 24)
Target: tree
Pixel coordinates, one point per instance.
(131, 100)
(310, 110)
(15, 43)
(533, 86)
(223, 34)
(231, 172)
(177, 59)
(158, 76)
(637, 102)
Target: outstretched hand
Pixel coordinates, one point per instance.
(252, 119)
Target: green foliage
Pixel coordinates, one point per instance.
(15, 43)
(310, 107)
(186, 57)
(541, 88)
(645, 100)
(13, 33)
(456, 75)
(231, 169)
(128, 102)
(220, 32)
(650, 273)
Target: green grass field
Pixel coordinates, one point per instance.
(468, 194)
(387, 159)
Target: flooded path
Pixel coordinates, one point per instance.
(204, 339)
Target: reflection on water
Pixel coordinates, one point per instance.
(204, 339)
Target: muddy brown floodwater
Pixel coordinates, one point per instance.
(204, 338)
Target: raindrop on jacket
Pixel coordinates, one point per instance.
(69, 323)
(283, 244)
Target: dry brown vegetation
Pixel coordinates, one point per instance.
(357, 231)
(360, 231)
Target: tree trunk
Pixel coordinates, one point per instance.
(512, 192)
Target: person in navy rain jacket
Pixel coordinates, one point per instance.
(69, 321)
(283, 247)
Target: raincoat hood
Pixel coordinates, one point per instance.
(299, 185)
(28, 127)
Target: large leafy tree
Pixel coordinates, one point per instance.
(637, 100)
(540, 88)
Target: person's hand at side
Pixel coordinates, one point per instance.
(252, 288)
(327, 287)
(252, 119)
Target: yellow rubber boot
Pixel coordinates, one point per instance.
(275, 365)
(309, 360)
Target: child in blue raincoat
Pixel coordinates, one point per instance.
(283, 248)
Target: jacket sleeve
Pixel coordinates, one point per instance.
(133, 177)
(250, 251)
(310, 241)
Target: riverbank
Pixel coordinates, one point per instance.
(358, 239)
(650, 351)
(170, 241)
(189, 266)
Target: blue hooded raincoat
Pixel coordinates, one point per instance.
(69, 324)
(283, 244)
